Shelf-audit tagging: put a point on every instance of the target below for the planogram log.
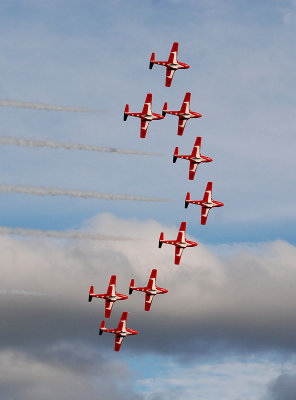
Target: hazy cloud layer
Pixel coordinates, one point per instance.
(283, 388)
(239, 297)
(64, 372)
(226, 297)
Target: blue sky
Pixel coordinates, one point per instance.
(95, 54)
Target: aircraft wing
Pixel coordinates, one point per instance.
(204, 214)
(169, 76)
(192, 170)
(122, 322)
(111, 287)
(144, 127)
(118, 341)
(108, 308)
(185, 108)
(178, 254)
(196, 147)
(148, 301)
(147, 104)
(181, 125)
(174, 53)
(208, 193)
(181, 233)
(152, 279)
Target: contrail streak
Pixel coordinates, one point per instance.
(61, 234)
(16, 292)
(42, 191)
(48, 107)
(13, 141)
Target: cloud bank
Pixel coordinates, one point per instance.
(238, 297)
(222, 298)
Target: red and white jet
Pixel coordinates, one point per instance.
(121, 332)
(146, 115)
(110, 297)
(151, 289)
(180, 244)
(184, 114)
(171, 65)
(206, 203)
(195, 157)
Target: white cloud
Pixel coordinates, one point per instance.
(240, 298)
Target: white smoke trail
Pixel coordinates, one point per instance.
(61, 234)
(13, 141)
(16, 292)
(42, 191)
(48, 107)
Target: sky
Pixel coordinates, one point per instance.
(226, 328)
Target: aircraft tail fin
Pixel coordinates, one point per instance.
(91, 292)
(176, 153)
(165, 108)
(102, 327)
(152, 59)
(187, 199)
(161, 238)
(126, 110)
(132, 285)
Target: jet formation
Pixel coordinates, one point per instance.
(207, 203)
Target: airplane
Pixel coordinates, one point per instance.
(146, 115)
(206, 203)
(180, 244)
(110, 297)
(195, 157)
(151, 289)
(121, 332)
(184, 114)
(171, 65)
